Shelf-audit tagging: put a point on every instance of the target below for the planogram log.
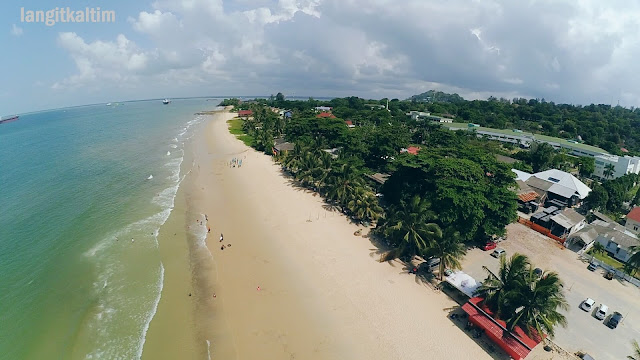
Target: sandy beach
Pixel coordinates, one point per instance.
(293, 282)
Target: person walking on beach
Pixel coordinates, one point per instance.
(209, 230)
(221, 237)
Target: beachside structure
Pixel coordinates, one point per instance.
(413, 150)
(615, 238)
(379, 178)
(465, 283)
(349, 124)
(566, 223)
(633, 220)
(326, 115)
(516, 343)
(555, 184)
(245, 114)
(323, 108)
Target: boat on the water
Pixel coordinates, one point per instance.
(9, 119)
(108, 104)
(150, 177)
(166, 101)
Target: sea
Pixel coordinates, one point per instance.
(84, 192)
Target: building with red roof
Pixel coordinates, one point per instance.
(413, 150)
(326, 115)
(349, 123)
(245, 113)
(516, 343)
(633, 219)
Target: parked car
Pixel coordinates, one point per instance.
(489, 246)
(614, 320)
(609, 275)
(592, 267)
(432, 263)
(497, 252)
(601, 313)
(587, 304)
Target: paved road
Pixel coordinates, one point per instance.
(584, 332)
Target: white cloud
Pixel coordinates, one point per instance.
(16, 30)
(580, 52)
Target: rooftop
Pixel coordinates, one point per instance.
(634, 214)
(568, 218)
(539, 137)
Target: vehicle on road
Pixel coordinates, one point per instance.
(601, 313)
(614, 320)
(489, 246)
(497, 252)
(592, 267)
(587, 304)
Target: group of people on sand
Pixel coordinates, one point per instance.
(236, 162)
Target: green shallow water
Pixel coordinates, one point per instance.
(73, 193)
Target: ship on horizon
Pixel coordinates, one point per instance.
(9, 119)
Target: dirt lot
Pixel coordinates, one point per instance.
(584, 332)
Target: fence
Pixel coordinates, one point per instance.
(542, 230)
(618, 273)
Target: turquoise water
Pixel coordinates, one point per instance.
(73, 194)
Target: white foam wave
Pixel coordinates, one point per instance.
(152, 313)
(173, 146)
(208, 350)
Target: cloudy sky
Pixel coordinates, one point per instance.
(575, 51)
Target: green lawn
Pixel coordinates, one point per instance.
(608, 260)
(235, 128)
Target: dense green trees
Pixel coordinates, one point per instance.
(521, 298)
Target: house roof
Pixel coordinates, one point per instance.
(616, 233)
(245, 113)
(413, 150)
(326, 115)
(378, 177)
(588, 234)
(517, 344)
(528, 196)
(284, 146)
(348, 122)
(634, 214)
(521, 175)
(568, 218)
(559, 182)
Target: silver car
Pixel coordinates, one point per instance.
(497, 252)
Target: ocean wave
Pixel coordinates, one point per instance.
(152, 313)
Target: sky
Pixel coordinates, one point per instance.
(573, 51)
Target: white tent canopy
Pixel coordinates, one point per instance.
(463, 282)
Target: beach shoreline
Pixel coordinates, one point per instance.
(296, 282)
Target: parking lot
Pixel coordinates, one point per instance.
(584, 332)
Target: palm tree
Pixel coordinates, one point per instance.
(341, 183)
(364, 205)
(293, 159)
(598, 248)
(538, 303)
(495, 288)
(409, 229)
(634, 260)
(449, 249)
(608, 171)
(636, 351)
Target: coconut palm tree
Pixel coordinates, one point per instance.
(598, 248)
(608, 171)
(634, 260)
(538, 302)
(409, 228)
(495, 288)
(341, 183)
(449, 249)
(293, 159)
(636, 351)
(364, 205)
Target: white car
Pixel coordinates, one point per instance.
(602, 312)
(497, 252)
(587, 305)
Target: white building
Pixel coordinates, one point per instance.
(622, 165)
(419, 115)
